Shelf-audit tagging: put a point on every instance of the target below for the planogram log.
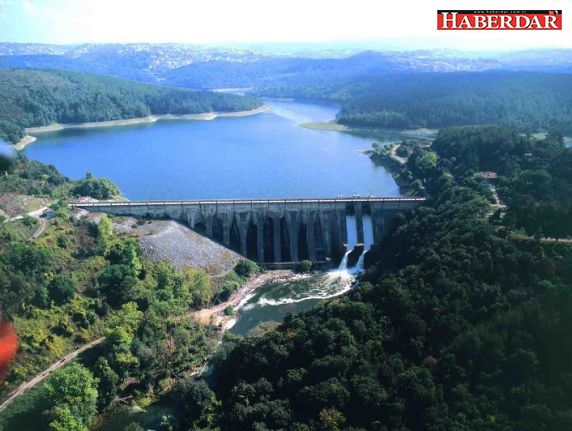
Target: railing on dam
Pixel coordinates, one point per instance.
(370, 199)
(274, 230)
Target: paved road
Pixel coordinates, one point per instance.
(38, 378)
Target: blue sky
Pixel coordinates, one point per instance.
(218, 21)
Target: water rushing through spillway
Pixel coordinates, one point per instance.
(367, 240)
(275, 300)
(351, 229)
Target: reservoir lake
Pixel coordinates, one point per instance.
(266, 155)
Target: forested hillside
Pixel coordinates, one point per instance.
(31, 98)
(457, 325)
(527, 102)
(80, 281)
(534, 175)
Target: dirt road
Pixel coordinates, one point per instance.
(37, 214)
(38, 378)
(42, 225)
(394, 156)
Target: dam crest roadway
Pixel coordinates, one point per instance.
(275, 230)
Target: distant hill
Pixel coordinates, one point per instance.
(31, 98)
(263, 65)
(526, 101)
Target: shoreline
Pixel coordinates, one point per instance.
(215, 315)
(329, 126)
(24, 142)
(332, 126)
(205, 116)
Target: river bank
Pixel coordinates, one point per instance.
(215, 315)
(380, 134)
(24, 142)
(206, 116)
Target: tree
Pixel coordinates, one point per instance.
(304, 266)
(104, 233)
(199, 403)
(97, 188)
(62, 289)
(245, 268)
(72, 391)
(200, 287)
(118, 284)
(125, 252)
(332, 420)
(108, 382)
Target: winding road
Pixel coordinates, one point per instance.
(38, 378)
(37, 215)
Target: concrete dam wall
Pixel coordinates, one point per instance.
(274, 231)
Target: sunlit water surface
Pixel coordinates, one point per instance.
(261, 156)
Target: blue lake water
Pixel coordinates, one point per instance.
(261, 156)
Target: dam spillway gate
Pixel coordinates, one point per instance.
(274, 230)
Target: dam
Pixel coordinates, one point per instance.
(276, 230)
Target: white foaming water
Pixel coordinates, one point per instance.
(324, 286)
(351, 228)
(230, 324)
(329, 285)
(367, 240)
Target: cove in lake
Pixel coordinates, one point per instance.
(261, 156)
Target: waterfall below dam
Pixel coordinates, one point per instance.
(303, 291)
(352, 233)
(367, 240)
(351, 228)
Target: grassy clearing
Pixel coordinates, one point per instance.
(19, 230)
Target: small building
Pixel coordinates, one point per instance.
(488, 175)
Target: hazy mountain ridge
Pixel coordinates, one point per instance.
(207, 67)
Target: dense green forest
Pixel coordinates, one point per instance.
(457, 324)
(527, 102)
(535, 175)
(31, 98)
(32, 178)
